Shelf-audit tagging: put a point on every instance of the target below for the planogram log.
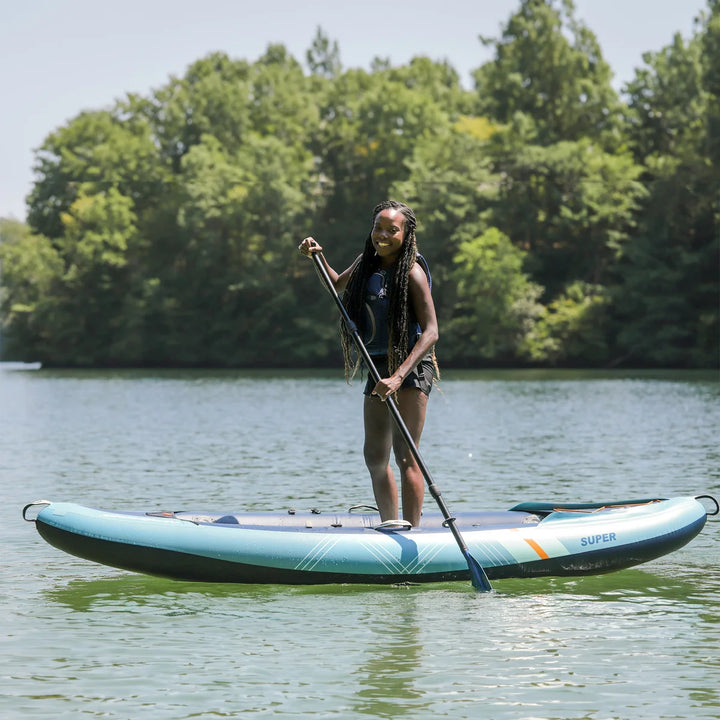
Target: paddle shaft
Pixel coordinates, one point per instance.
(477, 574)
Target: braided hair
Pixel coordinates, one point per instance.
(398, 284)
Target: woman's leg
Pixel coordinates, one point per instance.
(412, 404)
(378, 440)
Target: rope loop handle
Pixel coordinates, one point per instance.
(714, 500)
(44, 503)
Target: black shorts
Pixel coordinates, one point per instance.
(421, 376)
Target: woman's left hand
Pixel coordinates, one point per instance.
(386, 387)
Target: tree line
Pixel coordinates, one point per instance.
(565, 224)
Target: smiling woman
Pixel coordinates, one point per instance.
(387, 235)
(387, 296)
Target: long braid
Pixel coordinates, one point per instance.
(398, 305)
(398, 285)
(354, 301)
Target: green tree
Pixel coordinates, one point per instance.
(67, 300)
(549, 67)
(370, 124)
(29, 267)
(569, 189)
(92, 294)
(452, 189)
(323, 56)
(496, 301)
(570, 205)
(436, 80)
(283, 102)
(94, 152)
(711, 80)
(238, 217)
(572, 329)
(211, 98)
(666, 297)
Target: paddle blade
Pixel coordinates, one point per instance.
(477, 575)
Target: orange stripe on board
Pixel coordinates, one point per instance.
(537, 548)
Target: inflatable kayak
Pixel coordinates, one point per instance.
(531, 539)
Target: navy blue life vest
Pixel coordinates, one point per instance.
(375, 331)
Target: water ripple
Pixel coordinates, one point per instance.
(84, 640)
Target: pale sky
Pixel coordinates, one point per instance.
(60, 57)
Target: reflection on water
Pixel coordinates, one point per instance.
(81, 639)
(388, 680)
(687, 587)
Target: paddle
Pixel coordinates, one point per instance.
(477, 574)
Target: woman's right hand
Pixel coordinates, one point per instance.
(309, 246)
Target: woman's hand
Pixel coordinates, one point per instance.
(387, 386)
(309, 246)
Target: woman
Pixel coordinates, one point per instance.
(387, 295)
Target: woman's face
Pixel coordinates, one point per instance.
(388, 234)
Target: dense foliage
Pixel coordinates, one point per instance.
(564, 224)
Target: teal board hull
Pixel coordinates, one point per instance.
(531, 540)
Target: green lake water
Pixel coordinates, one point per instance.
(81, 640)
